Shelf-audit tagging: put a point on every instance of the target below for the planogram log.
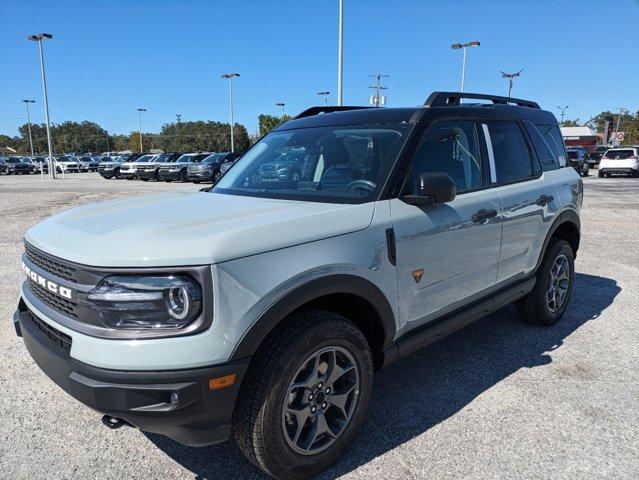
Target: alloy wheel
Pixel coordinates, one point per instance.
(321, 400)
(558, 283)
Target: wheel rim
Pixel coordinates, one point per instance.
(321, 400)
(558, 283)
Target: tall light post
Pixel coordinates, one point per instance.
(510, 77)
(464, 46)
(230, 77)
(38, 38)
(324, 94)
(26, 104)
(563, 112)
(281, 105)
(340, 54)
(140, 110)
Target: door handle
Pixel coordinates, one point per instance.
(483, 214)
(544, 200)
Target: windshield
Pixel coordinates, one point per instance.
(13, 160)
(145, 158)
(163, 157)
(216, 157)
(342, 164)
(619, 154)
(187, 157)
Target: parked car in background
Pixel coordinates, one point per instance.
(110, 166)
(3, 165)
(209, 168)
(286, 168)
(128, 168)
(88, 164)
(593, 158)
(41, 163)
(17, 166)
(67, 164)
(226, 166)
(146, 171)
(577, 160)
(623, 161)
(32, 165)
(177, 170)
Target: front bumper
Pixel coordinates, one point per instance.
(146, 174)
(127, 174)
(200, 175)
(169, 174)
(175, 403)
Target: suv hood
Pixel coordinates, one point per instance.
(184, 228)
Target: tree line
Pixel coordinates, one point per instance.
(627, 122)
(173, 137)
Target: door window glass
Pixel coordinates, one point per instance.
(450, 147)
(512, 157)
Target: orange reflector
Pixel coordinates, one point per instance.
(222, 382)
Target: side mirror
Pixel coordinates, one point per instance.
(434, 187)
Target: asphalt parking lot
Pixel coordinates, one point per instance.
(498, 399)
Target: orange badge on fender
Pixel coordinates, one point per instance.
(417, 275)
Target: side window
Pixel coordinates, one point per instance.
(552, 136)
(512, 157)
(450, 147)
(548, 160)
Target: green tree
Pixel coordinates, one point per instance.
(269, 122)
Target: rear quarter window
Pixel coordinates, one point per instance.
(547, 159)
(552, 136)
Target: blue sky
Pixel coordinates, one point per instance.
(109, 57)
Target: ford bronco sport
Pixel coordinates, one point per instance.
(260, 309)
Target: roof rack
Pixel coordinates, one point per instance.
(442, 99)
(309, 112)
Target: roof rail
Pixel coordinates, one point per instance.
(309, 112)
(441, 99)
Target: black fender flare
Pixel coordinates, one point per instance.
(567, 216)
(331, 284)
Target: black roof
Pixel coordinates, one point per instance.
(438, 104)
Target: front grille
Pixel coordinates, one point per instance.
(50, 264)
(55, 335)
(62, 305)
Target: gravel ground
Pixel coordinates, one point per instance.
(498, 399)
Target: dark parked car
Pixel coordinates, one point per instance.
(593, 158)
(209, 168)
(177, 170)
(149, 170)
(15, 165)
(3, 165)
(226, 166)
(577, 160)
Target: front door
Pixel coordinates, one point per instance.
(447, 253)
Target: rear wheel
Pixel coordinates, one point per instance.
(548, 300)
(183, 177)
(306, 395)
(600, 174)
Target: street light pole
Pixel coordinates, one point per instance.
(510, 77)
(140, 110)
(464, 46)
(230, 77)
(563, 110)
(340, 54)
(324, 94)
(38, 38)
(26, 104)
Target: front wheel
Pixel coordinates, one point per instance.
(548, 300)
(306, 395)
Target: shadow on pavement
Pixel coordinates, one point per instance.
(431, 385)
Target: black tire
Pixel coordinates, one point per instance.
(600, 174)
(144, 179)
(259, 419)
(534, 308)
(183, 176)
(117, 174)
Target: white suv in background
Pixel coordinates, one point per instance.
(622, 160)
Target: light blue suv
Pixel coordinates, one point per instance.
(260, 309)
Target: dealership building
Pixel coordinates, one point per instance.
(580, 137)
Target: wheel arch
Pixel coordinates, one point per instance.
(351, 296)
(567, 226)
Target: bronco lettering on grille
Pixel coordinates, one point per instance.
(46, 283)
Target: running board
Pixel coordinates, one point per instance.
(432, 331)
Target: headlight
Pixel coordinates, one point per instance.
(145, 302)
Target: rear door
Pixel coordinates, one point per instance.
(447, 253)
(528, 198)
